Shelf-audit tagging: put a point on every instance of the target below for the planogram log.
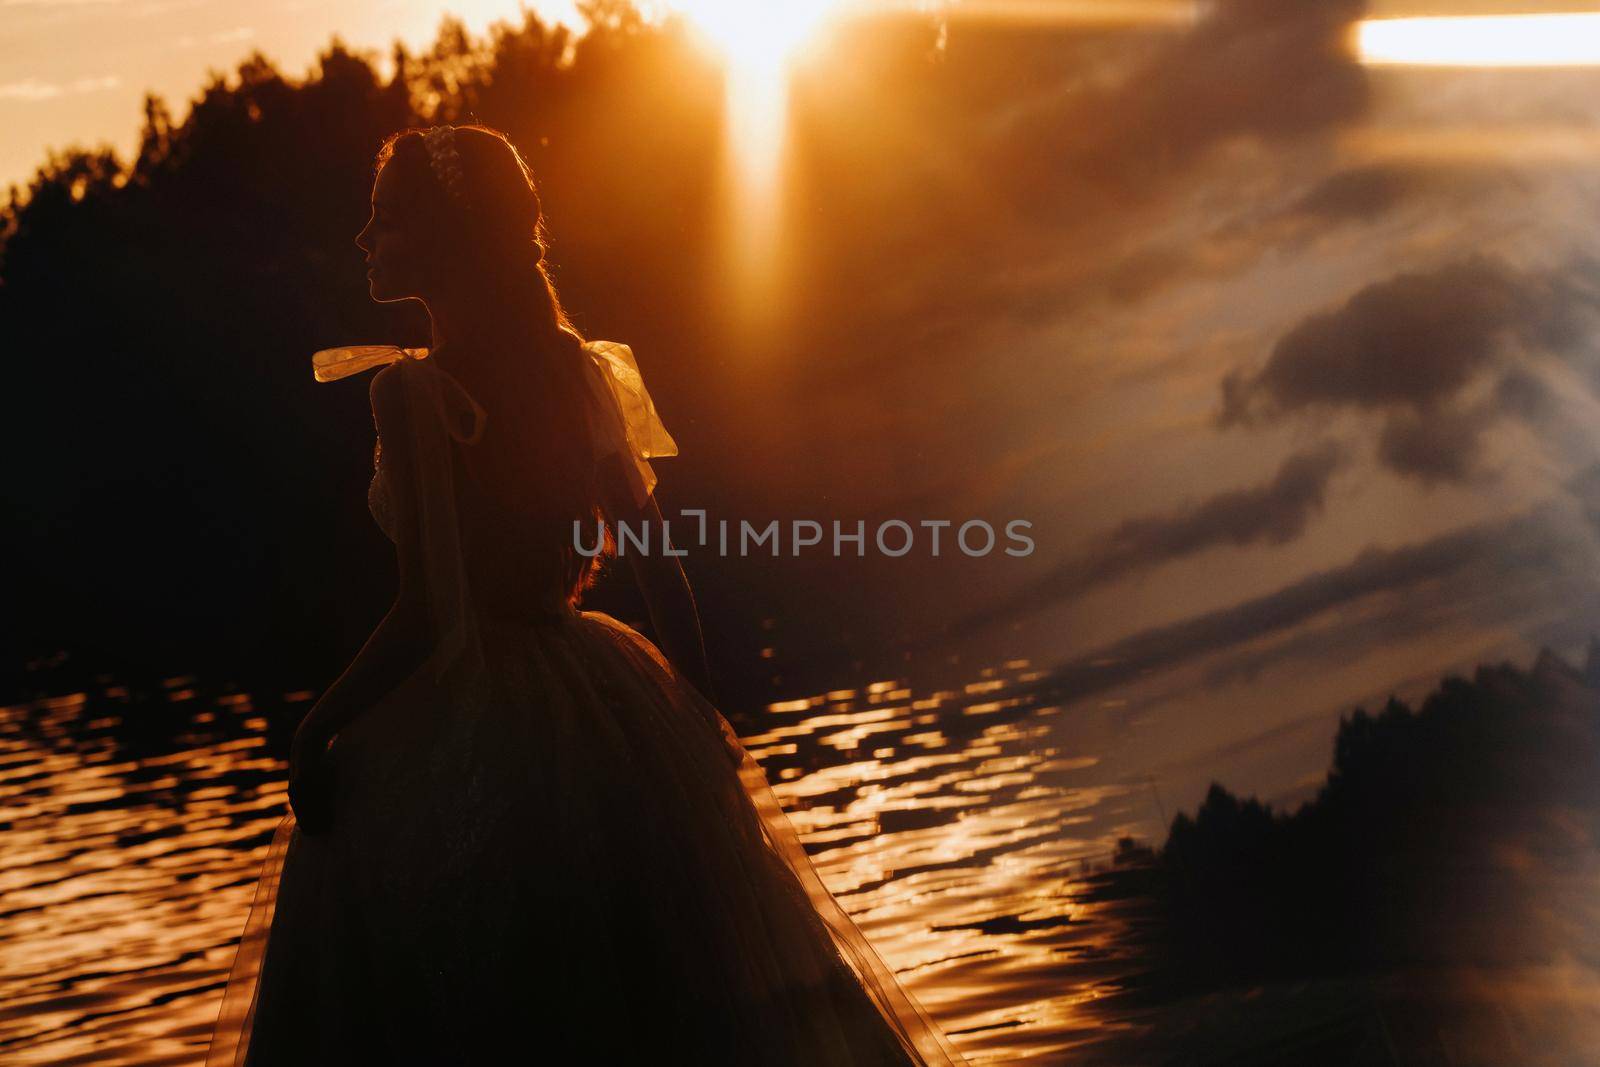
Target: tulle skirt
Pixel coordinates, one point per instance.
(567, 859)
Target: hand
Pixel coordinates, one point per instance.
(311, 779)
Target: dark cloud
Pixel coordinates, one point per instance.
(1409, 347)
(1444, 446)
(1416, 338)
(1272, 513)
(1359, 193)
(1499, 569)
(1362, 193)
(1522, 392)
(958, 209)
(1348, 197)
(1016, 151)
(1270, 68)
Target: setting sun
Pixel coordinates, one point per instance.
(755, 35)
(756, 43)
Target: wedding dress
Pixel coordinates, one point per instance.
(545, 847)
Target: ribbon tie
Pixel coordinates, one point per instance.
(627, 423)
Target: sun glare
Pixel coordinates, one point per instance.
(754, 34)
(1565, 40)
(757, 42)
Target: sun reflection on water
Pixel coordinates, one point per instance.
(135, 824)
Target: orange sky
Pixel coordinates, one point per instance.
(74, 71)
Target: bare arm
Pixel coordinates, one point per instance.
(399, 642)
(389, 655)
(660, 578)
(396, 646)
(395, 649)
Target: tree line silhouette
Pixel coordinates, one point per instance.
(1460, 833)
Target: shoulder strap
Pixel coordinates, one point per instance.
(440, 410)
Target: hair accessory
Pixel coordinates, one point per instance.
(440, 141)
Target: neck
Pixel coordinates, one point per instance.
(457, 328)
(465, 325)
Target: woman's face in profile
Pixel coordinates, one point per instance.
(392, 242)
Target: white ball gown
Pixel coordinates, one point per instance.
(546, 848)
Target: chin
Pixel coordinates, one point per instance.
(384, 291)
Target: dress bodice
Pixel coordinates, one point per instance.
(514, 560)
(503, 544)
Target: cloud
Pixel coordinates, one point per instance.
(1415, 338)
(1500, 570)
(238, 33)
(1278, 215)
(32, 89)
(1012, 191)
(1268, 68)
(1524, 393)
(1445, 446)
(1272, 513)
(1359, 192)
(1035, 162)
(1409, 347)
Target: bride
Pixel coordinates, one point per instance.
(519, 833)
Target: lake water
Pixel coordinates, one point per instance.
(956, 825)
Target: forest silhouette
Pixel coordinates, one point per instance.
(1461, 833)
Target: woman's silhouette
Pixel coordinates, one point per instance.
(519, 833)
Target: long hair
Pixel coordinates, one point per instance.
(486, 224)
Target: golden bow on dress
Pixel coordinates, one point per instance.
(628, 423)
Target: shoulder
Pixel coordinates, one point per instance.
(391, 414)
(386, 384)
(387, 394)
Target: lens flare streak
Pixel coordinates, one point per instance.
(1548, 40)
